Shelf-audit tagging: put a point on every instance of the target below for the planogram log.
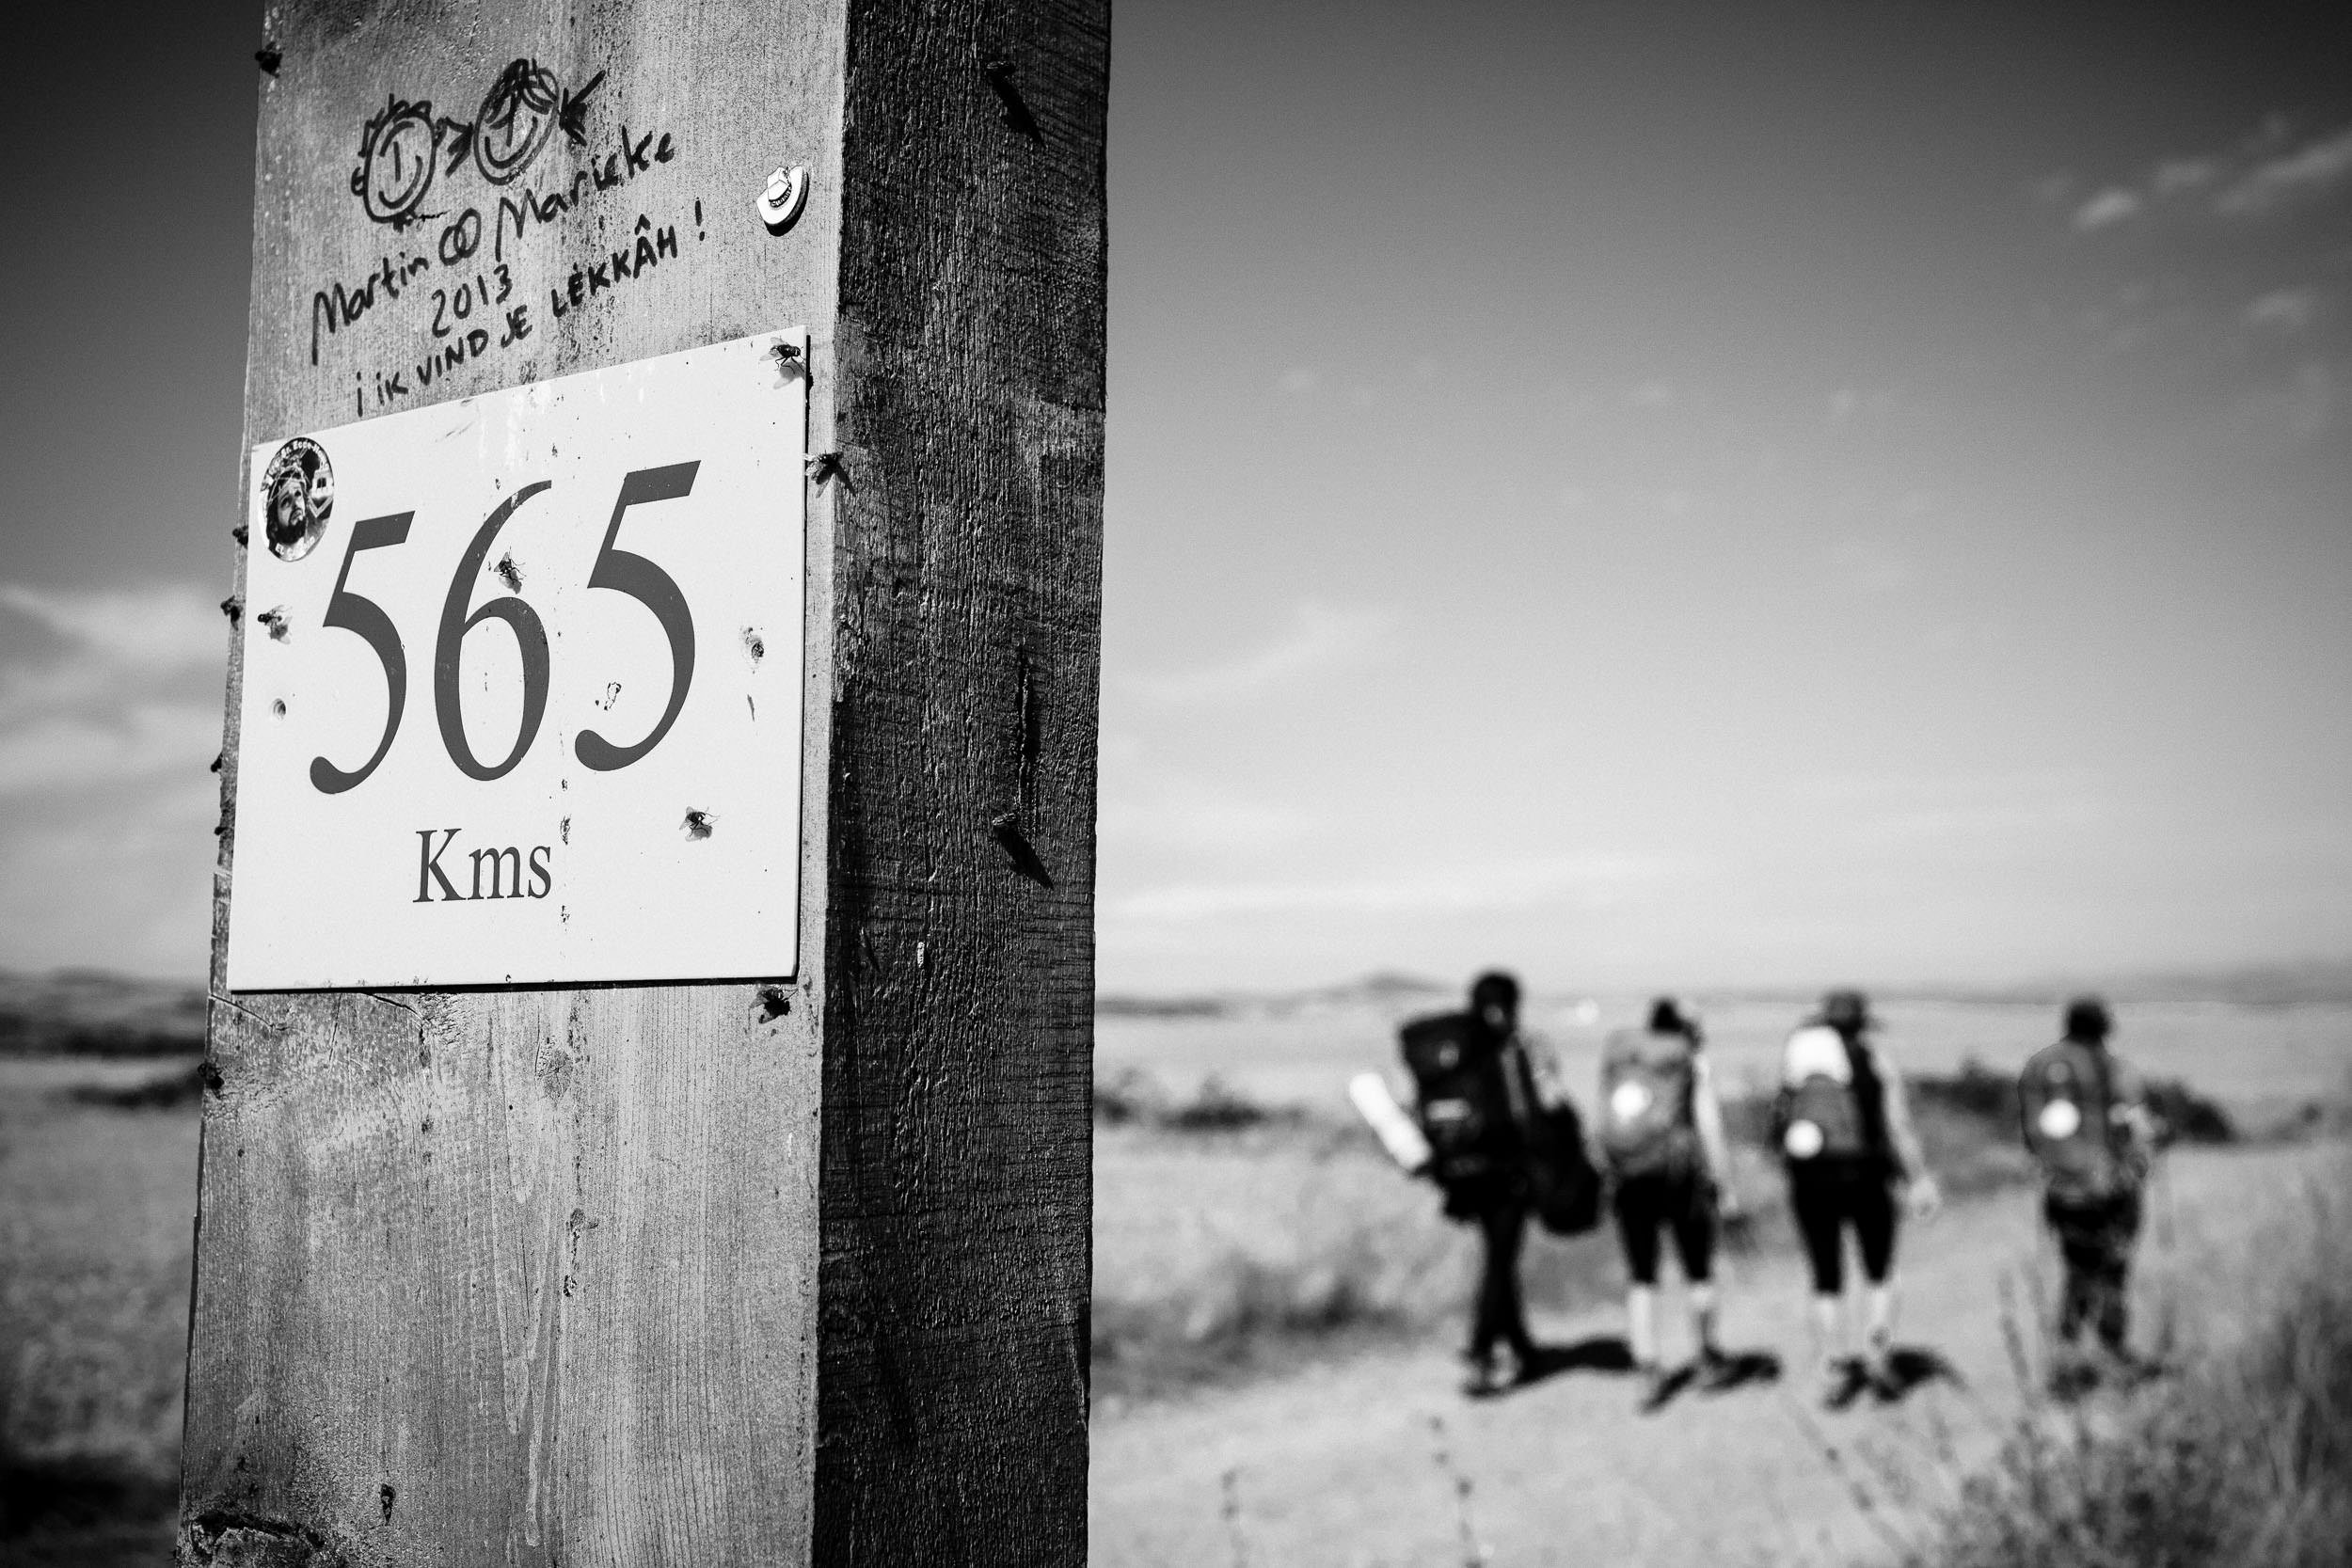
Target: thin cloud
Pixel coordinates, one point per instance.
(165, 626)
(1589, 880)
(1322, 639)
(2110, 207)
(2176, 175)
(2284, 310)
(1959, 809)
(2311, 171)
(131, 691)
(2259, 179)
(107, 717)
(57, 751)
(1148, 805)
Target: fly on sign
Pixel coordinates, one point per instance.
(523, 685)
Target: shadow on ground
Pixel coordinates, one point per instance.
(1908, 1368)
(1611, 1355)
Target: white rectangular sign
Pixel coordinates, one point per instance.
(523, 685)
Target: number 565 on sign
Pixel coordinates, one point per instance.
(522, 685)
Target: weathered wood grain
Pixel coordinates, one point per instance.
(957, 1194)
(540, 1276)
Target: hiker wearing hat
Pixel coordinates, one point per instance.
(1853, 1159)
(1662, 1135)
(2093, 1136)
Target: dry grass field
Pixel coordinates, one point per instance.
(1375, 1460)
(1233, 1239)
(97, 1200)
(1241, 1238)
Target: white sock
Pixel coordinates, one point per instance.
(1640, 1322)
(1882, 1318)
(1829, 1328)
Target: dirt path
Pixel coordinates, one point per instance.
(1360, 1464)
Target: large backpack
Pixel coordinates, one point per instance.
(1461, 1097)
(1821, 1115)
(2067, 1099)
(1646, 1083)
(1476, 1102)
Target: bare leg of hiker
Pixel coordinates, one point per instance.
(1832, 1352)
(1880, 1335)
(1703, 1322)
(1821, 1201)
(1694, 1243)
(1638, 1226)
(1874, 1238)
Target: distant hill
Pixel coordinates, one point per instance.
(2264, 984)
(2315, 980)
(1384, 989)
(91, 1012)
(2278, 985)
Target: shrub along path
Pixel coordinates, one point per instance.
(1380, 1460)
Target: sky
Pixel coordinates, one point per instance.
(1647, 494)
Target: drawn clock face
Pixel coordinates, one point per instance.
(397, 156)
(517, 115)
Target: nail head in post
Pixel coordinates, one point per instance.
(780, 204)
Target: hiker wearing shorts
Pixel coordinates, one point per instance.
(2090, 1131)
(1472, 1085)
(1854, 1159)
(1663, 1137)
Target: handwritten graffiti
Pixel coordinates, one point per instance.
(492, 298)
(399, 154)
(404, 147)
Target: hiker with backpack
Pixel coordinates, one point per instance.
(1662, 1140)
(1492, 1142)
(1843, 1122)
(2094, 1137)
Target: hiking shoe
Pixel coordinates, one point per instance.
(1484, 1378)
(2127, 1369)
(2072, 1376)
(1842, 1382)
(1878, 1373)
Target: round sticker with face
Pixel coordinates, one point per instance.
(299, 489)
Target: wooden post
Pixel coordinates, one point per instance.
(728, 1273)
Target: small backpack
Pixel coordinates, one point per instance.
(1821, 1117)
(1646, 1083)
(2067, 1097)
